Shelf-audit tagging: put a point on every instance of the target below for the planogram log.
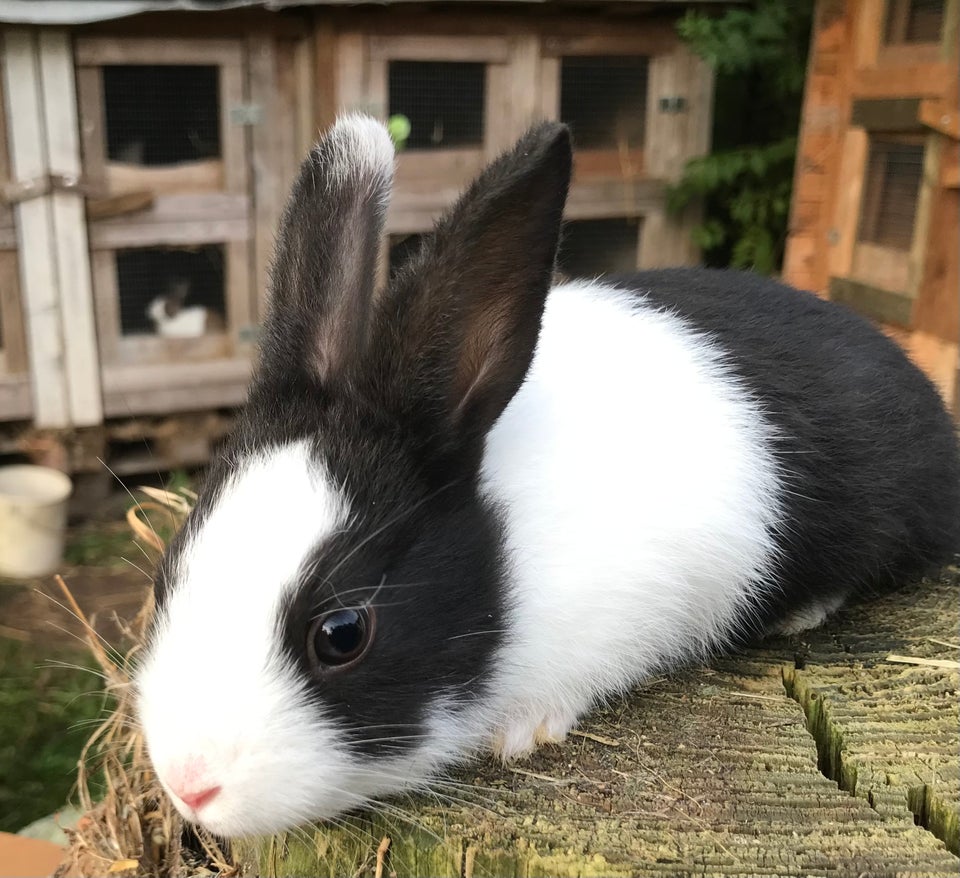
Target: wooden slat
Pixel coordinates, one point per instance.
(867, 31)
(106, 295)
(916, 80)
(605, 198)
(97, 51)
(926, 198)
(489, 50)
(884, 267)
(15, 400)
(266, 157)
(325, 76)
(169, 387)
(674, 138)
(887, 306)
(38, 274)
(550, 87)
(70, 231)
(897, 114)
(938, 304)
(942, 116)
(351, 72)
(843, 235)
(205, 175)
(650, 38)
(93, 129)
(14, 344)
(305, 103)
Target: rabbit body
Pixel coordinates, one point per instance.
(672, 481)
(458, 512)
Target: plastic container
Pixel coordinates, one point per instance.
(33, 519)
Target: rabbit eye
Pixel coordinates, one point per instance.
(339, 639)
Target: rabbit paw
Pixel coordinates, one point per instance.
(523, 734)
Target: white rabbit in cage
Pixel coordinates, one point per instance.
(173, 318)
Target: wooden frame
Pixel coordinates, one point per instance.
(874, 88)
(207, 201)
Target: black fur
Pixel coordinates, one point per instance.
(867, 451)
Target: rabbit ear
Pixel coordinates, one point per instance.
(324, 270)
(462, 318)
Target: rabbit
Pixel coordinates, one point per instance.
(458, 512)
(172, 320)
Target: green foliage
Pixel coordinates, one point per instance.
(45, 716)
(759, 54)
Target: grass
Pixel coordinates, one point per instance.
(44, 714)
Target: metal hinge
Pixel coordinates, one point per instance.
(246, 114)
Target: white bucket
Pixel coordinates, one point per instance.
(33, 519)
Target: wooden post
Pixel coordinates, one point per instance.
(35, 237)
(72, 254)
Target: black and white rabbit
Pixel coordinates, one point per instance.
(459, 511)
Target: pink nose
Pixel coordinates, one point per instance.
(196, 799)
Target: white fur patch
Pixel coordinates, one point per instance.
(362, 150)
(215, 689)
(641, 500)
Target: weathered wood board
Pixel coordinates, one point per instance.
(728, 770)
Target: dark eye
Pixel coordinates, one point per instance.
(340, 638)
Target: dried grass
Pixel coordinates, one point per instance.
(133, 828)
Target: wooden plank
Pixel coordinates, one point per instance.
(550, 87)
(15, 400)
(489, 50)
(895, 114)
(106, 296)
(13, 340)
(843, 234)
(93, 130)
(871, 301)
(497, 112)
(651, 38)
(38, 275)
(597, 199)
(883, 267)
(140, 349)
(325, 76)
(625, 164)
(81, 356)
(938, 303)
(233, 136)
(926, 197)
(305, 99)
(351, 72)
(524, 53)
(97, 51)
(266, 152)
(867, 31)
(175, 386)
(673, 138)
(205, 175)
(119, 205)
(942, 116)
(917, 80)
(115, 234)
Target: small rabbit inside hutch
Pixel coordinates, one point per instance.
(173, 318)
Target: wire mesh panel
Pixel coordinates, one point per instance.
(914, 21)
(590, 248)
(891, 186)
(160, 114)
(443, 100)
(604, 100)
(171, 292)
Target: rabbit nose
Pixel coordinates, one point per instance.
(197, 799)
(191, 783)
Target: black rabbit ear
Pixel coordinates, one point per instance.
(328, 243)
(461, 319)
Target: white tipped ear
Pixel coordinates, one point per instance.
(360, 148)
(328, 244)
